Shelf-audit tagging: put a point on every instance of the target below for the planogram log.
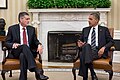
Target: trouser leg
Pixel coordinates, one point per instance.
(91, 69)
(41, 71)
(29, 61)
(29, 57)
(83, 70)
(23, 67)
(85, 58)
(27, 53)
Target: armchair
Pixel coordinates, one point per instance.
(9, 63)
(103, 64)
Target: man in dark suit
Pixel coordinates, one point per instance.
(94, 43)
(24, 45)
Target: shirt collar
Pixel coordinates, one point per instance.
(21, 27)
(96, 27)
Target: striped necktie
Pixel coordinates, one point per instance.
(93, 39)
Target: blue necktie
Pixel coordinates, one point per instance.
(93, 39)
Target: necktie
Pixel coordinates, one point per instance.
(93, 39)
(24, 36)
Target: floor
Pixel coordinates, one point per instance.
(46, 64)
(62, 71)
(59, 75)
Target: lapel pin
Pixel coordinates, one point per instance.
(100, 29)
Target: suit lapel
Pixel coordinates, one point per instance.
(17, 31)
(29, 33)
(99, 34)
(87, 33)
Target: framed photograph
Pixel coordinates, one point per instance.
(3, 4)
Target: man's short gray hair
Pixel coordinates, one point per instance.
(21, 14)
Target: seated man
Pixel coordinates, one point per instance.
(94, 43)
(24, 45)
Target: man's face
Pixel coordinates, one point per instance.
(25, 20)
(92, 21)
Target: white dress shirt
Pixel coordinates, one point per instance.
(90, 33)
(21, 34)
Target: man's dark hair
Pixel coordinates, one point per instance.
(22, 14)
(96, 15)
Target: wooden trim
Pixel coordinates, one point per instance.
(3, 4)
(2, 38)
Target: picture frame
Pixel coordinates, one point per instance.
(3, 4)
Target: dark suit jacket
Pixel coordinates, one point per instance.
(104, 37)
(13, 36)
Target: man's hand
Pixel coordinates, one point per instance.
(40, 49)
(101, 51)
(15, 45)
(80, 43)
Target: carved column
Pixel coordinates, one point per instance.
(103, 19)
(36, 22)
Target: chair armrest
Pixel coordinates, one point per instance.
(4, 49)
(110, 53)
(4, 55)
(39, 58)
(112, 48)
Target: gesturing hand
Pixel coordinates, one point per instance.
(80, 43)
(40, 49)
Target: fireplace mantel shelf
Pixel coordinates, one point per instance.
(71, 10)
